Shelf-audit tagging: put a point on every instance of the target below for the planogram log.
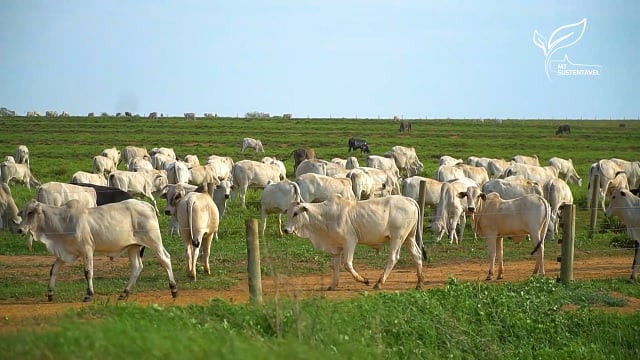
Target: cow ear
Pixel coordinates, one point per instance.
(303, 208)
(483, 196)
(623, 193)
(462, 195)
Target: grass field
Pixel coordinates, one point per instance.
(462, 320)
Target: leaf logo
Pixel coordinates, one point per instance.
(560, 38)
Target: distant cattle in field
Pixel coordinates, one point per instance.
(622, 125)
(189, 116)
(563, 129)
(19, 173)
(51, 113)
(153, 115)
(210, 115)
(358, 144)
(405, 126)
(127, 114)
(249, 143)
(91, 114)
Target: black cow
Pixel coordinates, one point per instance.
(107, 195)
(405, 126)
(299, 155)
(563, 129)
(359, 144)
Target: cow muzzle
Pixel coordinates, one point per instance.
(287, 231)
(471, 209)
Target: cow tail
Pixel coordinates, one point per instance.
(545, 226)
(190, 216)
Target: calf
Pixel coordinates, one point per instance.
(72, 231)
(255, 144)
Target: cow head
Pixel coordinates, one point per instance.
(30, 215)
(173, 194)
(297, 218)
(473, 196)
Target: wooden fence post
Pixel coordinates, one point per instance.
(253, 260)
(421, 197)
(568, 235)
(593, 204)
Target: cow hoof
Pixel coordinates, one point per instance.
(499, 277)
(377, 286)
(631, 281)
(330, 288)
(489, 278)
(87, 298)
(366, 281)
(50, 297)
(174, 293)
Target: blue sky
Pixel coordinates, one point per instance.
(348, 58)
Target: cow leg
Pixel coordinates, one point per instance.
(336, 264)
(491, 246)
(394, 255)
(192, 260)
(348, 251)
(462, 220)
(263, 223)
(136, 269)
(636, 261)
(500, 256)
(280, 225)
(88, 275)
(53, 273)
(206, 247)
(416, 253)
(165, 260)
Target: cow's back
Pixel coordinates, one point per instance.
(58, 194)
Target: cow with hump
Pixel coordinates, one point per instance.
(338, 225)
(73, 231)
(494, 218)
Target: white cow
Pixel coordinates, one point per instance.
(566, 170)
(9, 159)
(178, 172)
(495, 218)
(140, 164)
(512, 187)
(475, 173)
(103, 165)
(72, 231)
(451, 210)
(351, 163)
(83, 177)
(141, 183)
(539, 174)
(22, 155)
(114, 154)
(203, 175)
(160, 161)
(557, 193)
(626, 206)
(496, 168)
(249, 173)
(449, 160)
(341, 162)
(18, 172)
(311, 166)
(276, 162)
(131, 152)
(338, 225)
(318, 188)
(383, 163)
(411, 188)
(221, 165)
(8, 209)
(276, 198)
(191, 160)
(631, 169)
(198, 219)
(611, 176)
(57, 194)
(165, 151)
(363, 185)
(406, 159)
(446, 173)
(524, 159)
(333, 169)
(249, 143)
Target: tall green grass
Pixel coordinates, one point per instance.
(527, 320)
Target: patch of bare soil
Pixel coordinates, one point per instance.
(17, 314)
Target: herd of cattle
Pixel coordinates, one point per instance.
(336, 204)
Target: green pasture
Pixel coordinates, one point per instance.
(61, 146)
(461, 320)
